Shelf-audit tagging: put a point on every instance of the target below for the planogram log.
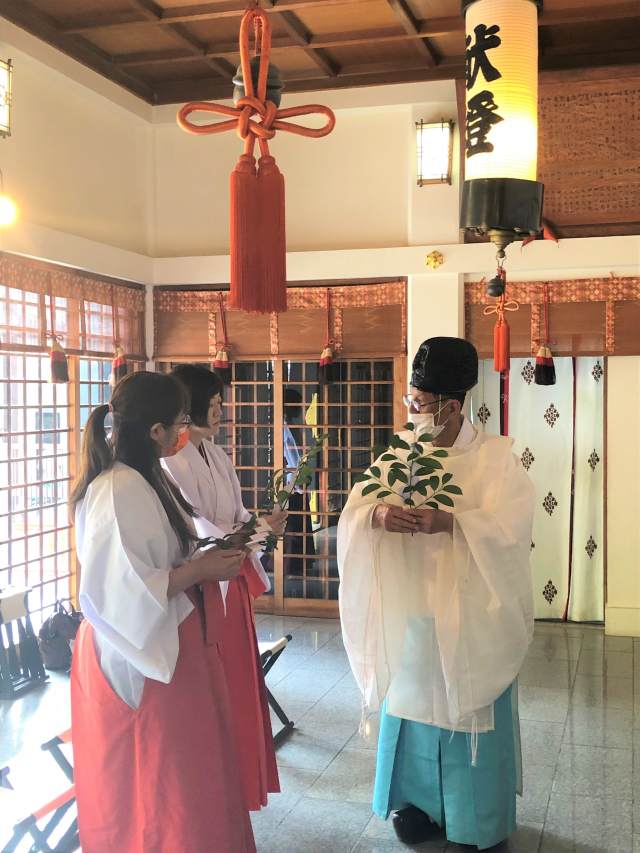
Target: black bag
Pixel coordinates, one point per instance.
(56, 636)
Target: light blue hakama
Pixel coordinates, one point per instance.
(431, 768)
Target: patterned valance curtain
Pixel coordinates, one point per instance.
(587, 317)
(88, 314)
(362, 319)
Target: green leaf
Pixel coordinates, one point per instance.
(425, 438)
(393, 476)
(445, 500)
(446, 478)
(432, 505)
(409, 426)
(434, 482)
(453, 490)
(388, 457)
(360, 478)
(384, 494)
(410, 502)
(400, 475)
(402, 445)
(397, 465)
(372, 487)
(375, 471)
(413, 456)
(422, 488)
(442, 454)
(430, 464)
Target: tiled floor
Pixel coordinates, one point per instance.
(579, 692)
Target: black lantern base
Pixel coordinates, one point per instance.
(505, 209)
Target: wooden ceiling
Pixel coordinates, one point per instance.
(180, 50)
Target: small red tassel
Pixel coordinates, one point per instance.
(245, 260)
(326, 360)
(59, 366)
(221, 361)
(501, 345)
(119, 367)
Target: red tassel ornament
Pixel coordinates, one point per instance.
(59, 366)
(222, 363)
(257, 245)
(119, 367)
(501, 331)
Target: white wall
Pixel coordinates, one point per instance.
(347, 190)
(77, 161)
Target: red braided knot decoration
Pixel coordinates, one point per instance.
(256, 119)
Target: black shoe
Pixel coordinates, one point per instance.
(413, 826)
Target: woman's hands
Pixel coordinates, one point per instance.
(219, 564)
(277, 520)
(215, 564)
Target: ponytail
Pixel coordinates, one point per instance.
(97, 455)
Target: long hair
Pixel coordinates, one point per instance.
(202, 384)
(139, 401)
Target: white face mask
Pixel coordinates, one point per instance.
(426, 422)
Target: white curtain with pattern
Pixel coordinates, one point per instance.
(559, 436)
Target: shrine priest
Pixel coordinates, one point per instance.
(437, 611)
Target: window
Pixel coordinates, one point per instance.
(94, 385)
(35, 449)
(273, 409)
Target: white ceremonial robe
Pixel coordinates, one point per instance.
(439, 624)
(126, 548)
(213, 490)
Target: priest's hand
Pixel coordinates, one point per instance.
(277, 520)
(433, 520)
(394, 519)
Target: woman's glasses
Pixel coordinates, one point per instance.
(184, 424)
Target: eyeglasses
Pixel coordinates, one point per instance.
(419, 405)
(184, 424)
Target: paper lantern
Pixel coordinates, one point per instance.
(501, 196)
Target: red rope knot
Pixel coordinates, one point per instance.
(500, 307)
(254, 104)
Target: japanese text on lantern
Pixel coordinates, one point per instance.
(481, 108)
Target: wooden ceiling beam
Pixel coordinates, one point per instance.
(369, 75)
(302, 38)
(28, 17)
(411, 26)
(199, 12)
(153, 13)
(434, 27)
(426, 28)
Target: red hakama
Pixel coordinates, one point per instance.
(247, 691)
(161, 778)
